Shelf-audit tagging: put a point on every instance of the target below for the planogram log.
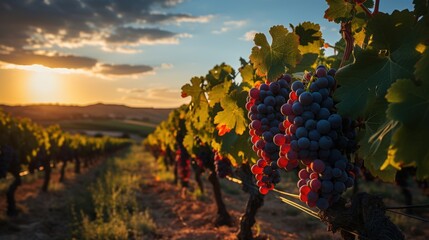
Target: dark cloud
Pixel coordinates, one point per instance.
(124, 69)
(52, 61)
(44, 23)
(25, 23)
(29, 26)
(90, 65)
(135, 35)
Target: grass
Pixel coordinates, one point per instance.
(114, 211)
(107, 125)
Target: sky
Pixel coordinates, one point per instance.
(134, 52)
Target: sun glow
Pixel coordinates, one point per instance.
(44, 85)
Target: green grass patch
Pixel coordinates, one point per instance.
(114, 211)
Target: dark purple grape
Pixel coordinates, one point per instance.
(297, 108)
(303, 143)
(322, 204)
(325, 142)
(317, 97)
(305, 98)
(274, 87)
(323, 126)
(301, 132)
(264, 87)
(297, 85)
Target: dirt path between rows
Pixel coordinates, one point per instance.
(48, 216)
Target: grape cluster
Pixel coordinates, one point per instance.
(222, 165)
(266, 129)
(183, 166)
(314, 136)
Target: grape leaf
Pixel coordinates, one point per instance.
(374, 146)
(219, 74)
(218, 92)
(391, 55)
(201, 116)
(420, 7)
(309, 35)
(271, 61)
(422, 70)
(237, 147)
(310, 44)
(369, 3)
(339, 10)
(390, 32)
(232, 116)
(248, 77)
(409, 104)
(369, 76)
(194, 90)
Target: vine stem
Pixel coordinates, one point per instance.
(377, 5)
(366, 10)
(346, 32)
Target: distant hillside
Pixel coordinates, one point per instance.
(45, 113)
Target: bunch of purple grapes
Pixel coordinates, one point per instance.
(223, 165)
(316, 139)
(264, 103)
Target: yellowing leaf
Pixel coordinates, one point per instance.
(272, 61)
(232, 116)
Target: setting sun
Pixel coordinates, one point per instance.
(43, 85)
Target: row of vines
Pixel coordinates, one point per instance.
(289, 106)
(26, 147)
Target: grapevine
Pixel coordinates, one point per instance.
(301, 113)
(24, 143)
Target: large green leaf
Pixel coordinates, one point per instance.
(272, 61)
(238, 147)
(409, 104)
(420, 7)
(374, 146)
(422, 70)
(390, 56)
(368, 77)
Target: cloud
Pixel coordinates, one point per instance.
(51, 61)
(165, 97)
(230, 25)
(66, 64)
(123, 69)
(31, 30)
(138, 36)
(166, 66)
(248, 36)
(65, 23)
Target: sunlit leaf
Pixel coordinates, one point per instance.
(272, 61)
